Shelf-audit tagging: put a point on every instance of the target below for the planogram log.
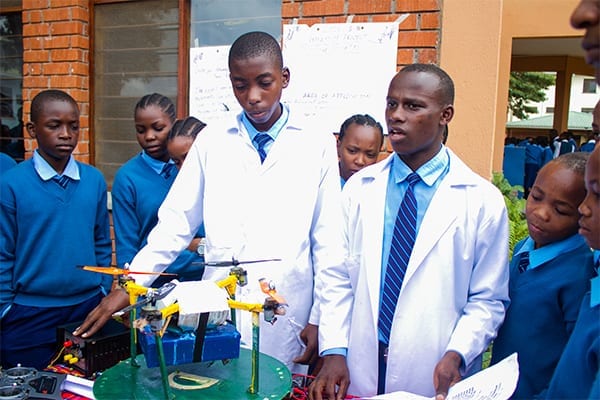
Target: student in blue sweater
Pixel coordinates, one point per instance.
(6, 163)
(141, 185)
(53, 218)
(549, 275)
(577, 373)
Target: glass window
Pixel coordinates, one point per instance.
(135, 53)
(220, 22)
(589, 86)
(11, 85)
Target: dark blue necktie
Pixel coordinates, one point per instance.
(261, 140)
(524, 261)
(63, 180)
(167, 170)
(403, 240)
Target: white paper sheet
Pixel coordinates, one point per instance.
(497, 382)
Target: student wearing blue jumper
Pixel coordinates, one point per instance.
(549, 275)
(141, 185)
(53, 218)
(6, 163)
(577, 373)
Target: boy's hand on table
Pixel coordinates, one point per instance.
(113, 302)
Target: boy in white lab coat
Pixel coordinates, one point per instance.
(453, 294)
(266, 186)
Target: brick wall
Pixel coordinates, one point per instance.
(418, 36)
(56, 47)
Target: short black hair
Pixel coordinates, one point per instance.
(575, 161)
(187, 127)
(40, 99)
(255, 44)
(446, 84)
(362, 120)
(156, 99)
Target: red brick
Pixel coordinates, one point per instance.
(290, 10)
(427, 56)
(66, 55)
(33, 69)
(36, 81)
(417, 5)
(32, 43)
(418, 39)
(323, 8)
(338, 19)
(57, 69)
(57, 14)
(410, 23)
(32, 16)
(309, 21)
(34, 30)
(35, 4)
(82, 148)
(80, 96)
(79, 68)
(68, 28)
(80, 41)
(80, 14)
(57, 42)
(406, 56)
(36, 56)
(430, 20)
(63, 82)
(67, 3)
(369, 7)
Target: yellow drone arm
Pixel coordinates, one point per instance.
(170, 310)
(134, 290)
(252, 307)
(229, 284)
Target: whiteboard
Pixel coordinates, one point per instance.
(337, 70)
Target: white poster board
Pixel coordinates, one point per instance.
(337, 70)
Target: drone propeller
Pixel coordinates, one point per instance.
(232, 263)
(119, 271)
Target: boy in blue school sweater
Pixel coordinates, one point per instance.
(549, 275)
(53, 217)
(577, 375)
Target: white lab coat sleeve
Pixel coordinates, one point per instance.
(338, 298)
(179, 218)
(488, 290)
(327, 244)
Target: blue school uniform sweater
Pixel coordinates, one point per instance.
(137, 193)
(577, 375)
(46, 232)
(544, 303)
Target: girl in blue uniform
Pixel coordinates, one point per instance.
(141, 185)
(549, 275)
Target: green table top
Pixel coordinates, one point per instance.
(124, 381)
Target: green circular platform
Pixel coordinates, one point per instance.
(124, 381)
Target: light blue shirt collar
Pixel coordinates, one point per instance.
(156, 165)
(46, 172)
(428, 172)
(273, 131)
(550, 251)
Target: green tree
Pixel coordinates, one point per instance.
(527, 87)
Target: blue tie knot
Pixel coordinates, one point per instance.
(261, 140)
(167, 170)
(413, 178)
